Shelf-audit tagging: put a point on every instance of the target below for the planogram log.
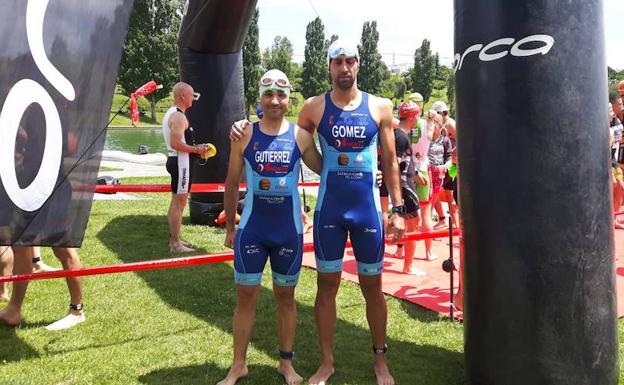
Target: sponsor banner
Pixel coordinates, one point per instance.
(58, 66)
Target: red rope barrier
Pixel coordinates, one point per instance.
(161, 188)
(179, 262)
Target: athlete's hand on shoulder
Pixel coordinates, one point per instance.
(379, 178)
(396, 227)
(238, 129)
(229, 239)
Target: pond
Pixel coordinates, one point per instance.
(129, 139)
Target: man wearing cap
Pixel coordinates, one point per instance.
(177, 135)
(350, 123)
(269, 153)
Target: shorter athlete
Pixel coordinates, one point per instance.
(270, 226)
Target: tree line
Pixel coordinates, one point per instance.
(311, 77)
(150, 52)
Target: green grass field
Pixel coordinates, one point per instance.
(173, 326)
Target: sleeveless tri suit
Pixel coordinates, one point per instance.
(348, 200)
(270, 225)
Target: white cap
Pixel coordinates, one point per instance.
(439, 106)
(343, 47)
(274, 80)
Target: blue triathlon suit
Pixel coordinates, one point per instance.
(348, 201)
(270, 225)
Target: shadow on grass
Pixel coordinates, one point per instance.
(207, 292)
(13, 348)
(207, 374)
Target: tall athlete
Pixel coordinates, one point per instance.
(271, 225)
(177, 135)
(350, 123)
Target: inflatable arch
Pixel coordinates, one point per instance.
(533, 159)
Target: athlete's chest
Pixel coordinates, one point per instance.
(348, 129)
(270, 155)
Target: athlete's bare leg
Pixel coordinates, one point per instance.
(325, 314)
(242, 325)
(12, 314)
(286, 325)
(377, 316)
(427, 226)
(410, 248)
(6, 269)
(70, 260)
(174, 217)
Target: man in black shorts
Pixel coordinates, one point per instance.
(177, 134)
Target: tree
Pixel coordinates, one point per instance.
(371, 72)
(329, 42)
(150, 51)
(279, 56)
(450, 92)
(424, 70)
(251, 62)
(394, 87)
(314, 76)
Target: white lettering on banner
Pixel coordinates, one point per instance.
(24, 93)
(273, 156)
(348, 131)
(487, 52)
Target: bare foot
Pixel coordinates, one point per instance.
(383, 373)
(10, 317)
(234, 374)
(322, 375)
(187, 244)
(180, 248)
(286, 369)
(415, 271)
(431, 257)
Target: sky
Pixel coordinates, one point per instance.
(400, 24)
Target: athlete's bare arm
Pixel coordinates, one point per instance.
(311, 113)
(230, 197)
(309, 153)
(450, 128)
(177, 125)
(381, 110)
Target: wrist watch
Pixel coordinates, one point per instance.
(398, 209)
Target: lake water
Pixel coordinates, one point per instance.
(129, 139)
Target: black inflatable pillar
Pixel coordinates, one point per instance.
(535, 192)
(209, 44)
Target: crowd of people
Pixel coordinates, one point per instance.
(616, 119)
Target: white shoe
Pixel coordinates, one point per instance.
(67, 322)
(41, 267)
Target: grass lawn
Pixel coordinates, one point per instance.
(174, 326)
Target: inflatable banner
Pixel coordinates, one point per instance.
(58, 66)
(539, 302)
